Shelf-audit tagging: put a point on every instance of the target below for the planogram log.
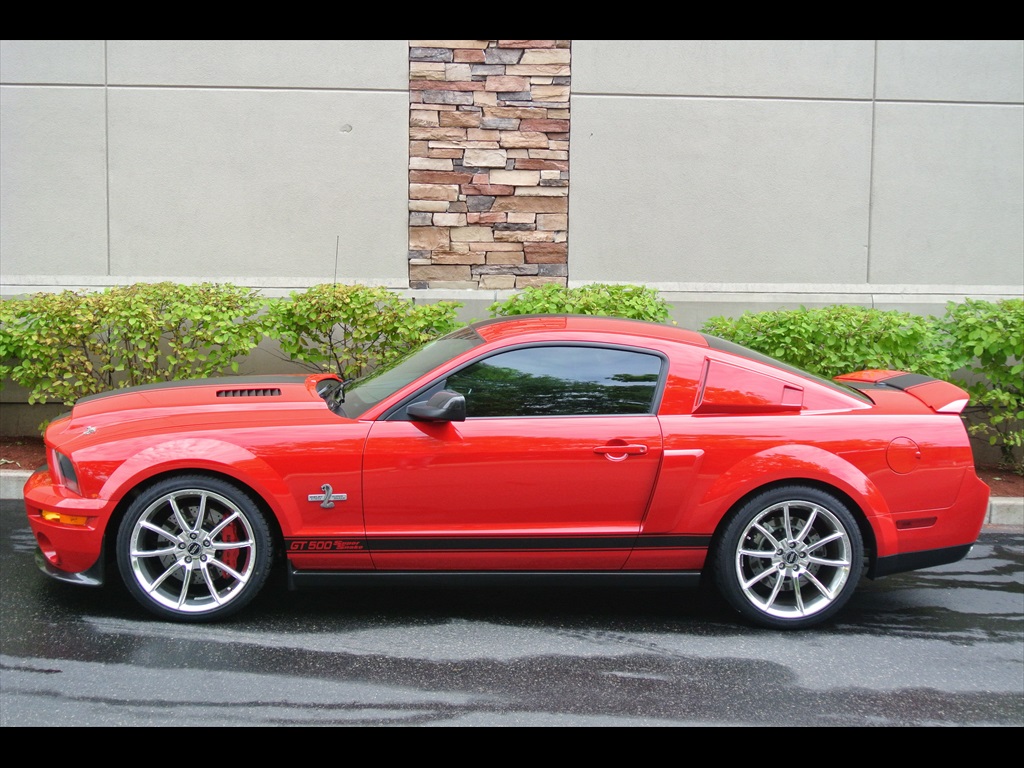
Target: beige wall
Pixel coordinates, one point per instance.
(732, 175)
(766, 174)
(277, 164)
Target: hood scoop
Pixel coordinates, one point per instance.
(252, 392)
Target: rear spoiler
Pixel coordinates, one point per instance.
(939, 395)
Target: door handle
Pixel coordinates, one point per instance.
(620, 452)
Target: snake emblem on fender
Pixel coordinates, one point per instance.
(328, 497)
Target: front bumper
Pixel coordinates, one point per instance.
(92, 577)
(70, 552)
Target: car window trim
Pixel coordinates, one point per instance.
(395, 412)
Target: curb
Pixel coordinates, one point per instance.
(1003, 511)
(11, 483)
(1006, 510)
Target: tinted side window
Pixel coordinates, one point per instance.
(559, 381)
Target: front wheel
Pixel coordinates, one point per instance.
(194, 548)
(789, 558)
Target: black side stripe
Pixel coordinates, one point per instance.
(342, 545)
(500, 544)
(545, 543)
(673, 542)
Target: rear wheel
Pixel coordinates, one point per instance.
(194, 548)
(789, 558)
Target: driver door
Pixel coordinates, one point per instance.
(552, 468)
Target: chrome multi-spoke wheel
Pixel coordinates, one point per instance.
(790, 557)
(193, 549)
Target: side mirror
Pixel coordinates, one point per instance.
(442, 406)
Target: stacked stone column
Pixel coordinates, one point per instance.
(488, 163)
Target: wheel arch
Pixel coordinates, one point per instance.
(800, 464)
(180, 455)
(122, 505)
(867, 531)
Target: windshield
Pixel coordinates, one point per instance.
(357, 396)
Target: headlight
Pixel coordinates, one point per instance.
(67, 472)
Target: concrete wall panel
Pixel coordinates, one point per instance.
(54, 62)
(725, 190)
(947, 197)
(951, 70)
(364, 64)
(226, 183)
(53, 209)
(828, 69)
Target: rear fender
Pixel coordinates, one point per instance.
(795, 464)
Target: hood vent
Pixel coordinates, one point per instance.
(248, 392)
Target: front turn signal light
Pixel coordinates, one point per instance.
(58, 517)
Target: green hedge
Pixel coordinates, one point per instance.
(988, 340)
(838, 339)
(62, 346)
(630, 301)
(351, 329)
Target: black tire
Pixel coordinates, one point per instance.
(789, 558)
(194, 549)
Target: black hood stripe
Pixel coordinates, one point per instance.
(225, 382)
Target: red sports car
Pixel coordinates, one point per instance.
(552, 448)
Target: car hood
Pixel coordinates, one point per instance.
(177, 405)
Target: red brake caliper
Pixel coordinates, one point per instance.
(230, 556)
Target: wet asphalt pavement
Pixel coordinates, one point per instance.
(943, 646)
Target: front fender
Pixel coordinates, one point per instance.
(204, 454)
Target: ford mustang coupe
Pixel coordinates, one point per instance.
(554, 448)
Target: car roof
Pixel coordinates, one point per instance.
(503, 327)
